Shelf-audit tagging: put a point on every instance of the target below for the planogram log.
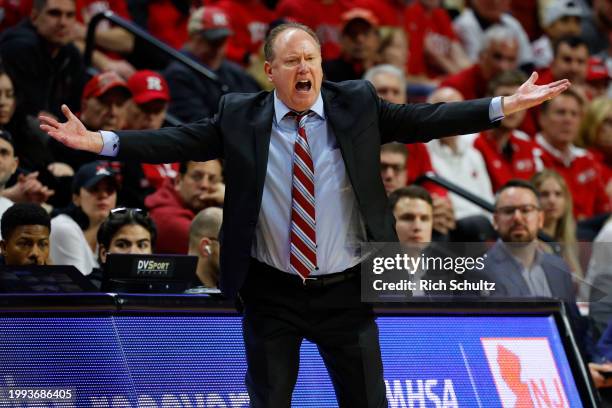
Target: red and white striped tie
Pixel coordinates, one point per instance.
(303, 252)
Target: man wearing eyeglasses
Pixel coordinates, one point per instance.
(517, 264)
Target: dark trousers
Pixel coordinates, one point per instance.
(279, 311)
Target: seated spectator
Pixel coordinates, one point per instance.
(393, 157)
(145, 110)
(359, 43)
(8, 166)
(456, 159)
(103, 107)
(74, 232)
(508, 152)
(39, 56)
(596, 136)
(559, 223)
(560, 120)
(519, 267)
(126, 231)
(561, 19)
(204, 243)
(434, 48)
(199, 185)
(413, 211)
(499, 53)
(471, 24)
(249, 21)
(570, 61)
(323, 16)
(25, 230)
(194, 97)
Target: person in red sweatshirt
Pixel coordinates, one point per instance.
(199, 185)
(560, 120)
(499, 53)
(508, 153)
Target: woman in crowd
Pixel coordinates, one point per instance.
(74, 233)
(559, 223)
(126, 231)
(596, 136)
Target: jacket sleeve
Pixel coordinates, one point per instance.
(198, 141)
(423, 122)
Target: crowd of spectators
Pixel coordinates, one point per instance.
(409, 50)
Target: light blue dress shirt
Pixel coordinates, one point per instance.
(340, 228)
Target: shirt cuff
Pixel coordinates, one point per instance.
(496, 111)
(110, 143)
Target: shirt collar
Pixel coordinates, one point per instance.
(280, 109)
(566, 158)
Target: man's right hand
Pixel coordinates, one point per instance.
(72, 133)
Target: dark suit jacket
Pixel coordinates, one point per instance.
(506, 273)
(240, 134)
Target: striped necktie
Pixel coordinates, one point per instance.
(303, 251)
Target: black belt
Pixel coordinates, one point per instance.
(312, 282)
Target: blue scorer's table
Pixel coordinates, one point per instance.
(115, 350)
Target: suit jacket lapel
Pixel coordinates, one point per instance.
(341, 124)
(262, 128)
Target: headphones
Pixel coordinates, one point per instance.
(207, 249)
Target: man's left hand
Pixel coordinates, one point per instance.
(529, 94)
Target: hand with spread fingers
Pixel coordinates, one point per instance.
(72, 133)
(529, 94)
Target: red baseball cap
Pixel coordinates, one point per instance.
(596, 70)
(358, 14)
(147, 86)
(211, 22)
(102, 83)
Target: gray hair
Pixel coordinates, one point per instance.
(498, 33)
(385, 69)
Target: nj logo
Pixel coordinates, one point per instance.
(525, 373)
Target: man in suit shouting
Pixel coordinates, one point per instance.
(303, 190)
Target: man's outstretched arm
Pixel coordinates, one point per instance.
(199, 141)
(423, 122)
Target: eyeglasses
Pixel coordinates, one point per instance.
(126, 210)
(510, 210)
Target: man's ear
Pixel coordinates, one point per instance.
(103, 252)
(76, 199)
(3, 246)
(268, 70)
(204, 248)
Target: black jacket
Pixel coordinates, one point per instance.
(240, 134)
(42, 82)
(194, 97)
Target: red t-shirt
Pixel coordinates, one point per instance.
(249, 20)
(522, 163)
(418, 23)
(86, 9)
(583, 179)
(167, 23)
(419, 163)
(322, 17)
(469, 82)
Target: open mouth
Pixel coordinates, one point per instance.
(303, 86)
